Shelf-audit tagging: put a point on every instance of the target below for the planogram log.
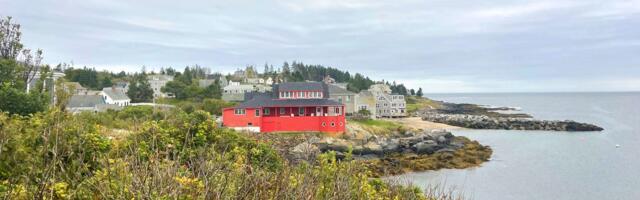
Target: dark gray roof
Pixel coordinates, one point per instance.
(266, 100)
(78, 101)
(338, 90)
(116, 94)
(301, 86)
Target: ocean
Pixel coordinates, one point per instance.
(551, 165)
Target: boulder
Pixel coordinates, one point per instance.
(425, 147)
(304, 151)
(372, 148)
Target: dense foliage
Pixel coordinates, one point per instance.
(90, 78)
(16, 74)
(140, 89)
(185, 86)
(165, 154)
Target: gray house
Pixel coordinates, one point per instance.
(79, 103)
(343, 96)
(387, 104)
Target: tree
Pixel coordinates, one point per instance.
(214, 90)
(140, 89)
(10, 34)
(419, 93)
(412, 92)
(15, 75)
(177, 88)
(266, 69)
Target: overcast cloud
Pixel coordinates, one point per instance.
(441, 46)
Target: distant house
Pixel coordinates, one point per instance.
(80, 103)
(157, 82)
(328, 80)
(48, 83)
(115, 96)
(254, 81)
(268, 81)
(211, 79)
(366, 101)
(387, 104)
(236, 91)
(75, 88)
(343, 96)
(294, 106)
(124, 85)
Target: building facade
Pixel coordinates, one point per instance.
(366, 101)
(290, 107)
(387, 104)
(344, 96)
(157, 82)
(236, 91)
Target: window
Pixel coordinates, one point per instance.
(324, 124)
(333, 124)
(300, 111)
(339, 99)
(239, 111)
(338, 110)
(266, 111)
(282, 111)
(318, 110)
(249, 124)
(300, 94)
(341, 124)
(348, 98)
(257, 112)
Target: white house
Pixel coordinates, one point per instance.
(115, 96)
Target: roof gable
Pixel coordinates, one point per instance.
(117, 94)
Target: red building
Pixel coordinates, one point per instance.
(295, 106)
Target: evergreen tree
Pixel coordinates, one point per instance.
(140, 89)
(419, 92)
(413, 92)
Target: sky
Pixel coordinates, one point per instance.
(442, 46)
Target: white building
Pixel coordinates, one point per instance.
(115, 96)
(157, 82)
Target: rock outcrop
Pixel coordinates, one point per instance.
(507, 123)
(424, 142)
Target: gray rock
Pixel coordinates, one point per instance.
(425, 148)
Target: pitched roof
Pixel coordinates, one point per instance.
(266, 100)
(301, 86)
(77, 101)
(117, 94)
(338, 90)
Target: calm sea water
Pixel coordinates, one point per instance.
(552, 165)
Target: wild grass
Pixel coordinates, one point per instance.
(415, 104)
(55, 155)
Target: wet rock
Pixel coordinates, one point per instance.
(426, 147)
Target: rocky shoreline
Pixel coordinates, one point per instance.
(484, 117)
(508, 123)
(390, 154)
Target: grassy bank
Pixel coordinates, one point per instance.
(415, 103)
